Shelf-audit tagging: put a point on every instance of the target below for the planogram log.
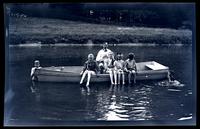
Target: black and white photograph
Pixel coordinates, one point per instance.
(82, 64)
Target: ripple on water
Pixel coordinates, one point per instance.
(174, 83)
(120, 111)
(173, 90)
(127, 104)
(138, 107)
(136, 111)
(185, 118)
(111, 115)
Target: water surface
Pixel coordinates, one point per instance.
(148, 103)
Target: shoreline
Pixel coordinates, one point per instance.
(53, 31)
(93, 45)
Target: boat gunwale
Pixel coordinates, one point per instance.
(71, 74)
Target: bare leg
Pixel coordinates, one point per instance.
(168, 76)
(123, 78)
(83, 76)
(119, 77)
(129, 77)
(134, 76)
(88, 79)
(115, 77)
(111, 77)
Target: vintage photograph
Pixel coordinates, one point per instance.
(81, 64)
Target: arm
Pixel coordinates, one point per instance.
(97, 67)
(32, 72)
(125, 66)
(135, 67)
(114, 64)
(109, 63)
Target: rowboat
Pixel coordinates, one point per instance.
(150, 70)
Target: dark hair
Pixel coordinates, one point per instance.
(118, 53)
(131, 56)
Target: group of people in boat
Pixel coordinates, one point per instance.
(107, 62)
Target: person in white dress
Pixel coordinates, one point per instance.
(119, 69)
(109, 66)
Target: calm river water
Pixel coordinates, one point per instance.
(145, 103)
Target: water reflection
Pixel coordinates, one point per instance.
(35, 90)
(125, 103)
(104, 102)
(85, 90)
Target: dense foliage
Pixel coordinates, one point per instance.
(178, 16)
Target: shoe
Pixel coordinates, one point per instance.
(123, 83)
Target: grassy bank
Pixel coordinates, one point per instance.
(51, 31)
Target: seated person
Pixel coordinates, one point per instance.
(119, 69)
(101, 54)
(90, 68)
(130, 67)
(109, 66)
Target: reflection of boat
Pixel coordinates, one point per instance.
(150, 70)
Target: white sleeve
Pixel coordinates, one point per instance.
(110, 50)
(98, 58)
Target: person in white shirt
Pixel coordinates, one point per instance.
(100, 56)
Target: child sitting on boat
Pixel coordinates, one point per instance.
(130, 67)
(109, 65)
(36, 66)
(119, 69)
(90, 68)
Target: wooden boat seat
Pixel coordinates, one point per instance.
(155, 66)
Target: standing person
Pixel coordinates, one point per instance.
(90, 68)
(36, 66)
(119, 69)
(100, 56)
(109, 66)
(130, 67)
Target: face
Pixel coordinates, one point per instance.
(131, 57)
(37, 64)
(119, 57)
(91, 57)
